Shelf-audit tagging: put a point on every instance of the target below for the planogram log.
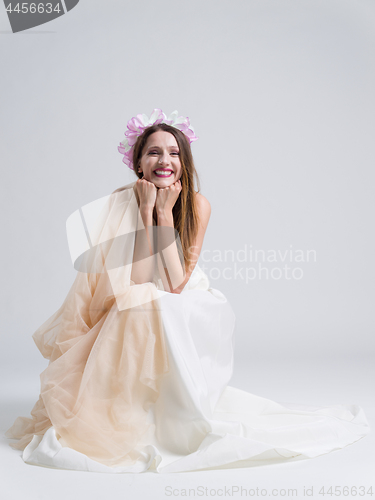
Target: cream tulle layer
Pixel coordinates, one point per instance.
(105, 345)
(101, 381)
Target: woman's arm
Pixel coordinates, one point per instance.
(175, 274)
(171, 271)
(143, 267)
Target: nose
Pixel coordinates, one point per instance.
(164, 158)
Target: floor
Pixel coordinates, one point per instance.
(308, 381)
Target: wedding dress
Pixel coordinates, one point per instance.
(138, 377)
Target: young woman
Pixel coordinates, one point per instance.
(141, 351)
(165, 164)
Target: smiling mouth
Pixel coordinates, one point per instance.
(159, 172)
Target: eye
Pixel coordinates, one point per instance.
(175, 153)
(153, 153)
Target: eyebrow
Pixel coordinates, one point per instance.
(157, 147)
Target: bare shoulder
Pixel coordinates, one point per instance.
(204, 207)
(202, 201)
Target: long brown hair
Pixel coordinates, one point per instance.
(185, 213)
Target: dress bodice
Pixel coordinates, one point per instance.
(198, 280)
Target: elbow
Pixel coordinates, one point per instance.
(177, 290)
(181, 287)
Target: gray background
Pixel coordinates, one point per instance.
(280, 94)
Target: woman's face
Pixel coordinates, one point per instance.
(160, 161)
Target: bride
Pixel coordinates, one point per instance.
(141, 351)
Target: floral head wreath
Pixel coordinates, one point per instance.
(138, 124)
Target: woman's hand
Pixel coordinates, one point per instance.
(147, 192)
(167, 197)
